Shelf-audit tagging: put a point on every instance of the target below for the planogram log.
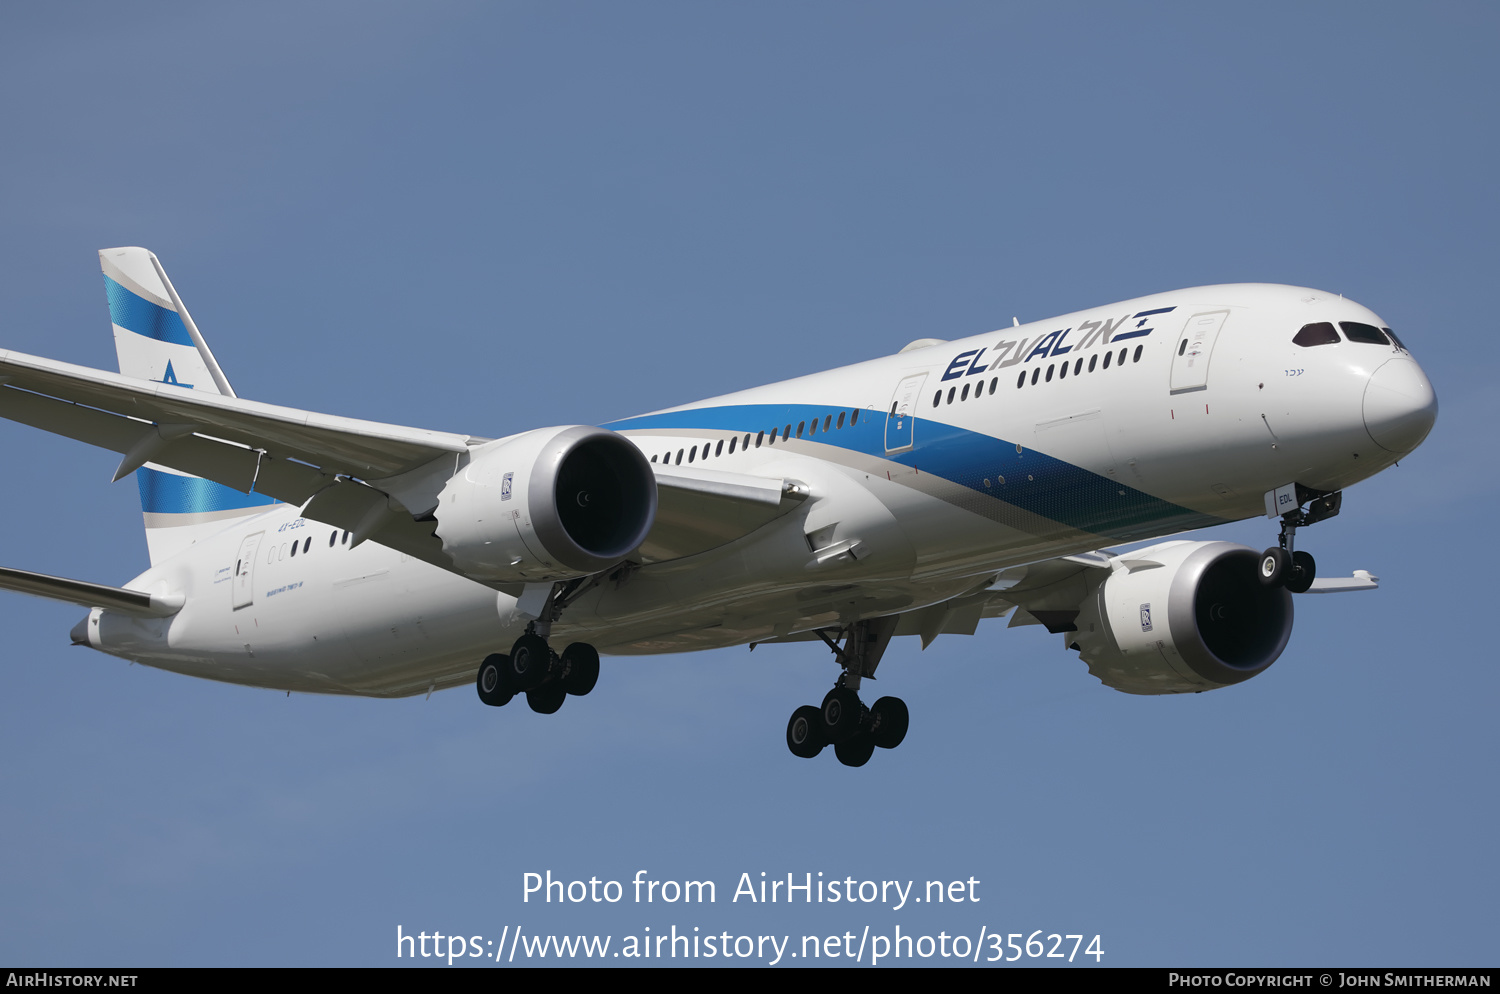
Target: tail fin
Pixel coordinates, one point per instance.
(156, 339)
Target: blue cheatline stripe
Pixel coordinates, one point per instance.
(1035, 482)
(168, 493)
(137, 314)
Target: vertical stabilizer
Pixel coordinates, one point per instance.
(156, 339)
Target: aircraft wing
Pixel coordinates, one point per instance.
(702, 509)
(300, 457)
(1049, 593)
(334, 445)
(376, 480)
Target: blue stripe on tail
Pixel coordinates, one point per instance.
(168, 493)
(137, 314)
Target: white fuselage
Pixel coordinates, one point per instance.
(1212, 405)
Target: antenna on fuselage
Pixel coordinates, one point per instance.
(1015, 322)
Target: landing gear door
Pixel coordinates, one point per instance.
(900, 418)
(1193, 349)
(244, 571)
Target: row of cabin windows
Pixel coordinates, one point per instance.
(1323, 333)
(281, 551)
(809, 428)
(1060, 370)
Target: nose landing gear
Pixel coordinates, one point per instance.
(1283, 565)
(843, 721)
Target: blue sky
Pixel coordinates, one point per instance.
(490, 217)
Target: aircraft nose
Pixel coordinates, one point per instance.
(1400, 406)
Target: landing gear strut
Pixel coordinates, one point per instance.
(533, 669)
(843, 721)
(1283, 565)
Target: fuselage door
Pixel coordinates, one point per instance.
(899, 417)
(244, 571)
(1193, 349)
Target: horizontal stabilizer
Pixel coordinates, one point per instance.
(1361, 580)
(79, 592)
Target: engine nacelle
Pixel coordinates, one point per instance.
(1199, 620)
(551, 504)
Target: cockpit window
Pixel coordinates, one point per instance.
(1367, 333)
(1398, 341)
(1321, 333)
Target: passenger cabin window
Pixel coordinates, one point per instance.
(1321, 333)
(1366, 333)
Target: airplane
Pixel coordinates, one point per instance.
(914, 494)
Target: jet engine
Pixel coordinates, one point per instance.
(550, 504)
(1180, 617)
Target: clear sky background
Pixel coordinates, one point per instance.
(491, 217)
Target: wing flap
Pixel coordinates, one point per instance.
(373, 516)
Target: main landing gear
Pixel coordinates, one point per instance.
(843, 721)
(533, 669)
(1283, 565)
